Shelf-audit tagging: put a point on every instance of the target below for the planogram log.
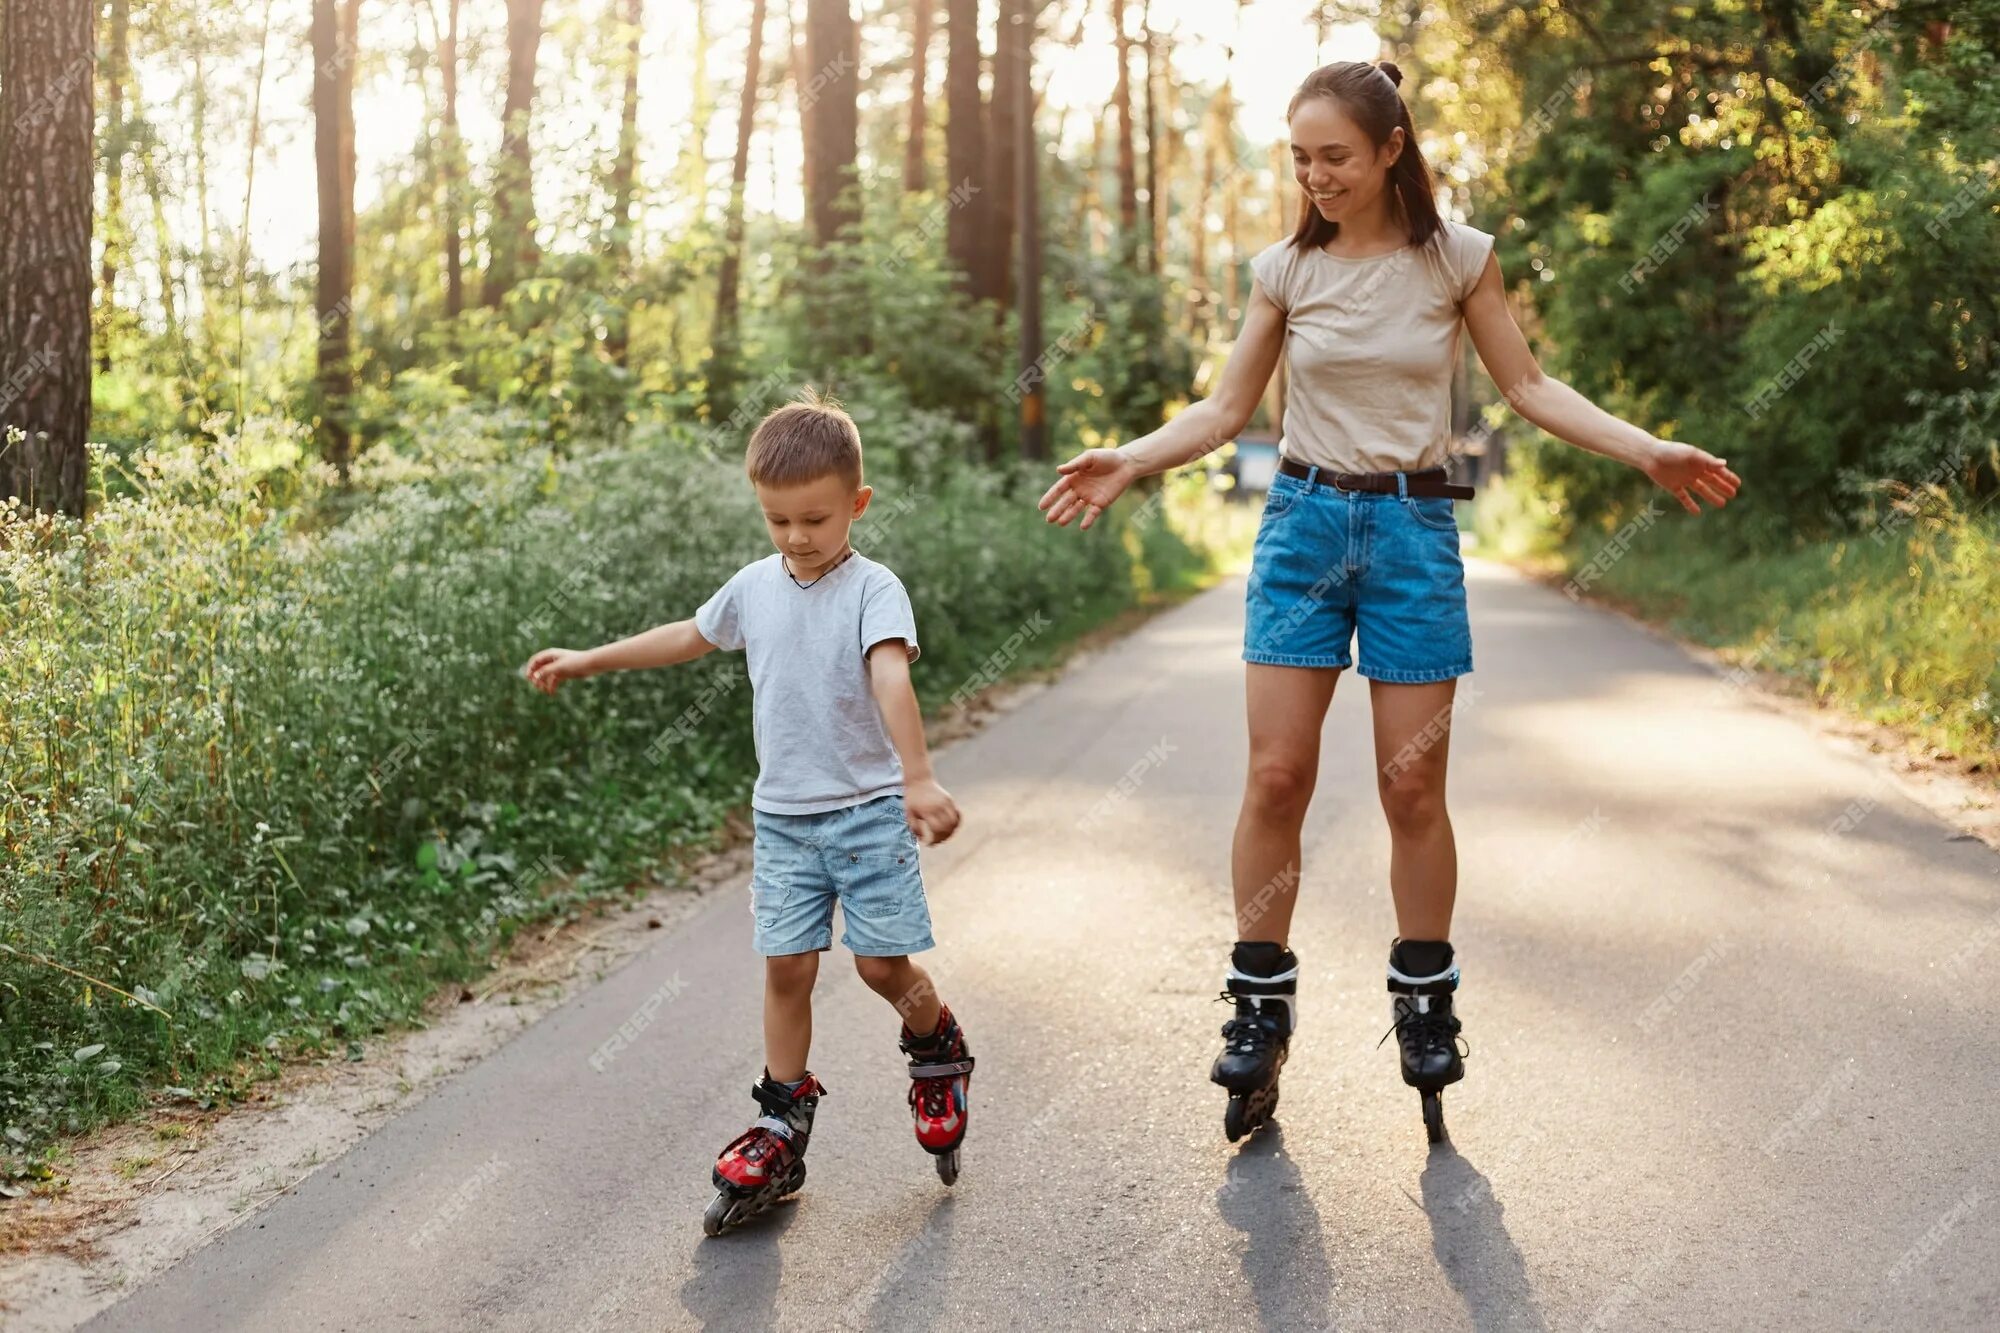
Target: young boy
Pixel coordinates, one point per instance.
(844, 784)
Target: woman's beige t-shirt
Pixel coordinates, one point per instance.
(1371, 344)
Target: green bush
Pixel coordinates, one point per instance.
(271, 773)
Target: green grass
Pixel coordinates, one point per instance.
(269, 776)
(1899, 623)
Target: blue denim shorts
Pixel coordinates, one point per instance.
(863, 855)
(1328, 563)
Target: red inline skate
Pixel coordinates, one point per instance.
(940, 1073)
(766, 1161)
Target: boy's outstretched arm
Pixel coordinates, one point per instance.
(929, 807)
(663, 645)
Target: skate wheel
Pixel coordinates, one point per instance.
(795, 1180)
(947, 1167)
(1433, 1117)
(717, 1217)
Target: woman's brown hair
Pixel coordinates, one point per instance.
(1368, 94)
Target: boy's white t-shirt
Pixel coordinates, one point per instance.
(1371, 344)
(821, 743)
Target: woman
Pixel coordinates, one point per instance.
(1359, 535)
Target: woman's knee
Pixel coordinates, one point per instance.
(1280, 786)
(1413, 800)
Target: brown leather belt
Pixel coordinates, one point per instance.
(1430, 481)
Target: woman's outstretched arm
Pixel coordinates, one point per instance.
(1681, 469)
(1096, 477)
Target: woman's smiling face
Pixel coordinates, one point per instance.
(1334, 162)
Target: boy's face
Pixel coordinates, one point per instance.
(809, 522)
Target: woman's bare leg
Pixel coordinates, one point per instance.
(1412, 741)
(1287, 706)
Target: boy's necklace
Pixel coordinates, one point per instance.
(823, 573)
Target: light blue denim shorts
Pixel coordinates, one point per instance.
(864, 856)
(1329, 564)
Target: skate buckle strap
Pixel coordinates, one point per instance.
(942, 1070)
(1441, 983)
(775, 1099)
(779, 1127)
(1243, 983)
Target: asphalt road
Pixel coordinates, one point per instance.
(1733, 1059)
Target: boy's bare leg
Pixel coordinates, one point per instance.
(788, 1016)
(905, 985)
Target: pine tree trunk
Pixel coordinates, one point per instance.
(48, 91)
(513, 253)
(964, 140)
(796, 41)
(831, 89)
(724, 359)
(454, 170)
(117, 235)
(335, 44)
(1121, 97)
(624, 178)
(913, 144)
(996, 241)
(1154, 218)
(1201, 292)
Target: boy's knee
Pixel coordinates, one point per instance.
(882, 975)
(792, 972)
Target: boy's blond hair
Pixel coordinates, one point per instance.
(808, 438)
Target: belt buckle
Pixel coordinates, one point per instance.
(1333, 480)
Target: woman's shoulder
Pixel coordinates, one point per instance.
(1464, 248)
(1462, 238)
(1273, 267)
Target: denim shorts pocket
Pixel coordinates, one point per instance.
(1279, 499)
(1433, 511)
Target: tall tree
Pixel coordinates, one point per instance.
(964, 136)
(832, 90)
(723, 356)
(513, 253)
(691, 172)
(453, 168)
(795, 41)
(1003, 132)
(117, 74)
(48, 86)
(624, 178)
(1034, 444)
(1155, 146)
(923, 11)
(335, 44)
(1121, 96)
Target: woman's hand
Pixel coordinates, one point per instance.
(1087, 486)
(552, 666)
(1685, 472)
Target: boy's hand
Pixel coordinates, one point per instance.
(552, 666)
(929, 810)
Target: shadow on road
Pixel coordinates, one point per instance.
(735, 1281)
(1285, 1261)
(1471, 1242)
(913, 1289)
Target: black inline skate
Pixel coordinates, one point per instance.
(1263, 982)
(1422, 978)
(766, 1161)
